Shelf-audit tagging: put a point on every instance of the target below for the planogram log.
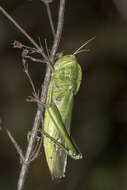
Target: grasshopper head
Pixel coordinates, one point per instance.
(65, 60)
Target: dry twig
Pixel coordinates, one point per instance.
(39, 49)
(17, 147)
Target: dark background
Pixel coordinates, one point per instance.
(99, 122)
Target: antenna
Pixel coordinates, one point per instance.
(79, 50)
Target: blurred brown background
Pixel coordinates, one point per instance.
(99, 123)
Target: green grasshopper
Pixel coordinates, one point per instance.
(64, 85)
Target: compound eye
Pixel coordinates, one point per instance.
(73, 59)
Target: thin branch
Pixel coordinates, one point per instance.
(59, 30)
(47, 50)
(50, 18)
(36, 152)
(29, 77)
(24, 33)
(17, 147)
(26, 162)
(36, 124)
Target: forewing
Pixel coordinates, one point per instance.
(55, 155)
